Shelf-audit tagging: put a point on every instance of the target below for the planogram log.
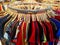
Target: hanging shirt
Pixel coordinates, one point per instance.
(50, 30)
(33, 40)
(58, 26)
(41, 35)
(32, 37)
(13, 31)
(13, 39)
(47, 32)
(14, 27)
(29, 31)
(54, 28)
(19, 36)
(24, 30)
(8, 25)
(17, 30)
(8, 29)
(3, 20)
(37, 40)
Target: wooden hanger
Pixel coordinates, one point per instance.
(19, 16)
(15, 15)
(37, 16)
(47, 13)
(39, 19)
(43, 17)
(27, 18)
(33, 17)
(46, 18)
(50, 14)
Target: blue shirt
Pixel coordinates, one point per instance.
(50, 43)
(57, 25)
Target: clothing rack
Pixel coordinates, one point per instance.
(25, 3)
(29, 26)
(49, 7)
(29, 11)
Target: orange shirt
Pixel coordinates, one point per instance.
(0, 7)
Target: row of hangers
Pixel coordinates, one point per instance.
(25, 7)
(46, 12)
(41, 16)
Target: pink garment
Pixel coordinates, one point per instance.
(57, 11)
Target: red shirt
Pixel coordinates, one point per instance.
(19, 36)
(24, 30)
(44, 29)
(50, 31)
(32, 37)
(37, 31)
